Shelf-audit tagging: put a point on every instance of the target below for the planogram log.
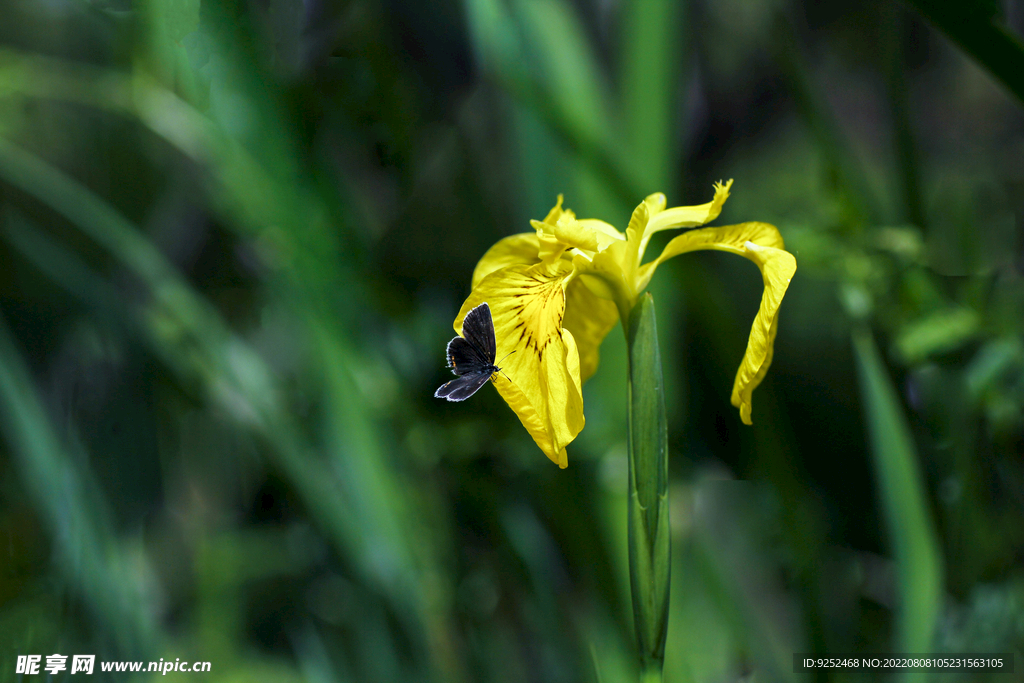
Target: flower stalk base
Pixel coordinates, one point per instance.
(649, 549)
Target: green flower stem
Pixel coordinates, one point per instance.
(649, 556)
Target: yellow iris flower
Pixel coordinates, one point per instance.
(555, 293)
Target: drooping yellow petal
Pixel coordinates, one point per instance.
(518, 249)
(762, 244)
(747, 379)
(777, 268)
(682, 216)
(527, 306)
(590, 318)
(528, 415)
(729, 238)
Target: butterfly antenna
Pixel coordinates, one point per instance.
(502, 361)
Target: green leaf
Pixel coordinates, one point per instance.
(189, 335)
(539, 53)
(568, 65)
(861, 203)
(901, 488)
(496, 42)
(976, 27)
(86, 548)
(939, 332)
(651, 63)
(181, 17)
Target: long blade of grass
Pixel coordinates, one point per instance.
(496, 35)
(265, 187)
(976, 29)
(566, 66)
(861, 202)
(280, 207)
(652, 52)
(893, 22)
(87, 550)
(901, 488)
(190, 337)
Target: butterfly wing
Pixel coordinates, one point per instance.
(461, 388)
(465, 358)
(470, 356)
(478, 329)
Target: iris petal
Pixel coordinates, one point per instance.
(528, 305)
(518, 249)
(762, 244)
(606, 233)
(777, 268)
(531, 419)
(590, 318)
(682, 216)
(729, 238)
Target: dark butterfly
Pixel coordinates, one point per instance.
(471, 356)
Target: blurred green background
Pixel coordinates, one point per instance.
(234, 239)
